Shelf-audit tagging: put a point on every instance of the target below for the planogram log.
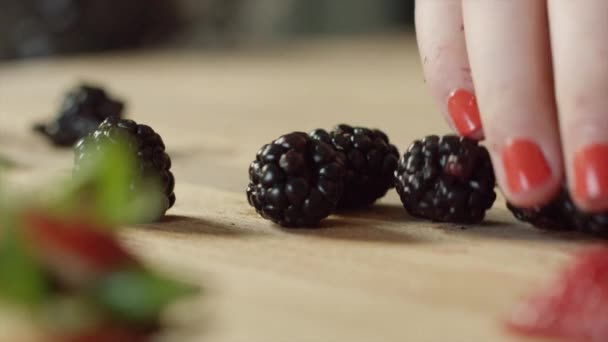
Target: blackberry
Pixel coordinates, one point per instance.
(562, 214)
(81, 112)
(446, 179)
(590, 223)
(151, 158)
(370, 162)
(552, 216)
(295, 181)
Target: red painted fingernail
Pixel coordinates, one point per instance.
(591, 174)
(462, 106)
(525, 166)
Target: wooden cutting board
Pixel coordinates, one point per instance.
(376, 275)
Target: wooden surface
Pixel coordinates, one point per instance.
(377, 275)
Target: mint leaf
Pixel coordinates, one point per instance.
(138, 295)
(114, 173)
(108, 188)
(22, 280)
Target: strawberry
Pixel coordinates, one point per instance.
(76, 249)
(574, 307)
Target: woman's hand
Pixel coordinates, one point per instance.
(532, 69)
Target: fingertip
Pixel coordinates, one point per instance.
(533, 198)
(589, 184)
(445, 63)
(527, 176)
(513, 82)
(477, 135)
(464, 114)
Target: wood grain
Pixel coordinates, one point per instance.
(376, 275)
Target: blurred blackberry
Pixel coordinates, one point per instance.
(447, 179)
(562, 214)
(295, 181)
(81, 112)
(151, 158)
(370, 162)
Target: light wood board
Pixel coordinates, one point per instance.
(376, 275)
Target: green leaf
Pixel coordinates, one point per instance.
(138, 295)
(22, 280)
(103, 188)
(115, 171)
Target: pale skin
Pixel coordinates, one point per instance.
(536, 71)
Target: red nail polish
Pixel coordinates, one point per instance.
(462, 106)
(591, 174)
(525, 166)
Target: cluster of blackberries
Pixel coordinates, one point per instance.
(299, 179)
(89, 118)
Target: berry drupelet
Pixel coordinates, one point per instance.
(81, 112)
(146, 144)
(446, 179)
(562, 214)
(370, 162)
(295, 181)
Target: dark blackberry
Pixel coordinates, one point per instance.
(594, 224)
(151, 158)
(81, 112)
(370, 162)
(295, 181)
(552, 216)
(447, 179)
(562, 214)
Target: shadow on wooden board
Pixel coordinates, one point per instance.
(500, 224)
(383, 223)
(194, 225)
(353, 229)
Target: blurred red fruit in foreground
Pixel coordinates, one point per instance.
(73, 246)
(574, 307)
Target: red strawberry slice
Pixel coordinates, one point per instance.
(75, 248)
(573, 308)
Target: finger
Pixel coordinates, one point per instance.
(508, 45)
(579, 31)
(440, 32)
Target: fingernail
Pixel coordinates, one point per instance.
(462, 106)
(591, 174)
(525, 166)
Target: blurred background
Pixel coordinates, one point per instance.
(34, 28)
